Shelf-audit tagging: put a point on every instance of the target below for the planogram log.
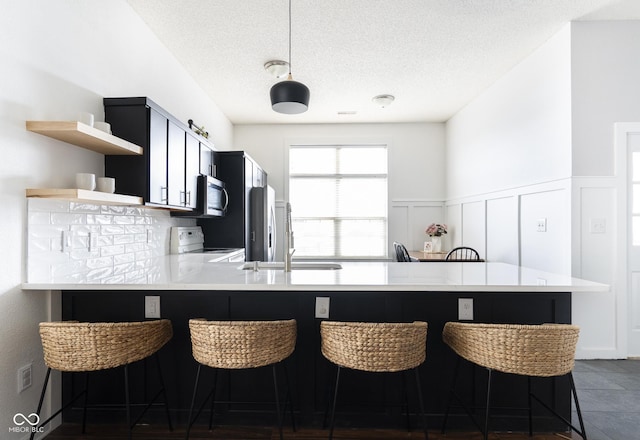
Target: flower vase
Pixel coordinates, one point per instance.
(436, 244)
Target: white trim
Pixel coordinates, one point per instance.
(622, 130)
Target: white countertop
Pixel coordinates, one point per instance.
(196, 272)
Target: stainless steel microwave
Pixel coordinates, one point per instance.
(213, 198)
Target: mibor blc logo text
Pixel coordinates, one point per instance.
(26, 423)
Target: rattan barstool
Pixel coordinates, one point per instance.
(546, 350)
(375, 347)
(71, 346)
(234, 345)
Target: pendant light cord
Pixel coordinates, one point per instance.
(289, 39)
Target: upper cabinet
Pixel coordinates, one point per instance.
(166, 173)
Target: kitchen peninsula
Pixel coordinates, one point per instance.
(189, 286)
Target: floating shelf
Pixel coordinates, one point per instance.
(82, 195)
(85, 136)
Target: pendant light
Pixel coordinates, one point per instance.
(289, 96)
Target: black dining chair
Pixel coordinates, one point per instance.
(462, 253)
(402, 255)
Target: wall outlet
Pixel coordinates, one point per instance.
(152, 307)
(24, 377)
(541, 225)
(465, 309)
(322, 306)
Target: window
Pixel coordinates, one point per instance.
(635, 204)
(338, 195)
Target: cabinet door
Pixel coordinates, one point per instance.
(206, 161)
(157, 158)
(176, 165)
(192, 170)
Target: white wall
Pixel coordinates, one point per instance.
(518, 132)
(60, 58)
(501, 147)
(605, 90)
(416, 165)
(539, 144)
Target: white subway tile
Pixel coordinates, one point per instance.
(108, 251)
(96, 263)
(111, 229)
(99, 219)
(123, 239)
(49, 205)
(39, 218)
(88, 208)
(98, 274)
(123, 258)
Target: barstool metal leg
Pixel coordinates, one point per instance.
(126, 399)
(289, 396)
(421, 401)
(42, 393)
(193, 402)
(582, 432)
(213, 398)
(456, 369)
(488, 408)
(406, 400)
(164, 391)
(86, 396)
(529, 406)
(335, 398)
(275, 389)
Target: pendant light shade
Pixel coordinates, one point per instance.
(289, 97)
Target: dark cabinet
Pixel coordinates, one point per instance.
(208, 163)
(241, 174)
(166, 173)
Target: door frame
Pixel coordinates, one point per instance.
(622, 130)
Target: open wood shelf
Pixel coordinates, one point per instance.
(83, 195)
(85, 136)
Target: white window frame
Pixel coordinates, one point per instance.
(337, 142)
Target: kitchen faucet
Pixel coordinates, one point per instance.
(288, 237)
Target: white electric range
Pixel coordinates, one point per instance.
(190, 239)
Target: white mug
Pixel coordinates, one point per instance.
(106, 184)
(86, 181)
(86, 118)
(104, 126)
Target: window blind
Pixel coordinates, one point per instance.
(338, 195)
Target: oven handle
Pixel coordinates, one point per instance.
(226, 199)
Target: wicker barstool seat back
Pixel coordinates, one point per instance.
(375, 347)
(543, 351)
(380, 347)
(530, 350)
(242, 344)
(83, 346)
(234, 345)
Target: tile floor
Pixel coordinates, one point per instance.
(609, 395)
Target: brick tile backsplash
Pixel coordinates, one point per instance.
(106, 244)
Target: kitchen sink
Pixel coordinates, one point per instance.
(279, 265)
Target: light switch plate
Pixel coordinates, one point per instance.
(541, 225)
(598, 225)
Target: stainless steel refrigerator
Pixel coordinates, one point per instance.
(263, 224)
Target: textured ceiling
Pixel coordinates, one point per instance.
(434, 55)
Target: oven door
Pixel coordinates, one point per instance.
(213, 198)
